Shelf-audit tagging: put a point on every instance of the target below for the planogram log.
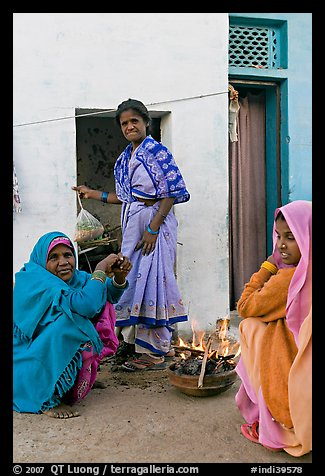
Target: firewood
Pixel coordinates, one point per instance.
(204, 362)
(180, 348)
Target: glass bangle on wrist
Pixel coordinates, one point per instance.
(270, 267)
(117, 285)
(104, 197)
(151, 231)
(99, 275)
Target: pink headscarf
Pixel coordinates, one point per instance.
(60, 240)
(298, 215)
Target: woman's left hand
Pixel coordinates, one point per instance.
(147, 243)
(115, 265)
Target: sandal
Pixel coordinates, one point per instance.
(250, 431)
(143, 364)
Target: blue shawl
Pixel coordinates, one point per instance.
(51, 324)
(150, 173)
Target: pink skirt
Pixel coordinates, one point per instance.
(105, 326)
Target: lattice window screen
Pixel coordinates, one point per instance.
(251, 46)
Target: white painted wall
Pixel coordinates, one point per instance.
(64, 61)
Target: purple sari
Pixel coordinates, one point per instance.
(152, 303)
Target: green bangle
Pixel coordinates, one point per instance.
(99, 275)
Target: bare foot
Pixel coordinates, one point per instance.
(61, 411)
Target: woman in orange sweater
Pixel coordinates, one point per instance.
(276, 339)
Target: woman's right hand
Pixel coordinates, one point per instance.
(107, 263)
(83, 190)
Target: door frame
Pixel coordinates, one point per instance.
(276, 168)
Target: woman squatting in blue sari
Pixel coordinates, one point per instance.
(148, 183)
(64, 325)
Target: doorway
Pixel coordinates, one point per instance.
(254, 181)
(99, 142)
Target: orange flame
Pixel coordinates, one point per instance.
(198, 336)
(181, 342)
(224, 346)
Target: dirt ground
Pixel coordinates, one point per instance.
(142, 418)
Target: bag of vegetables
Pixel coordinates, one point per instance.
(87, 227)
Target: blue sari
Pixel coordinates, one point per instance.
(152, 303)
(52, 326)
(162, 179)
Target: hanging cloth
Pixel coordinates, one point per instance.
(16, 198)
(233, 111)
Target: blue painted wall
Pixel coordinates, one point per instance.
(296, 101)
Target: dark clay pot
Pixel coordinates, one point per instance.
(212, 384)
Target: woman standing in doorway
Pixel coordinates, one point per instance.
(148, 183)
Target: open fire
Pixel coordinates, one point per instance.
(207, 357)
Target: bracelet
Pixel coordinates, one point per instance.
(104, 197)
(165, 216)
(117, 285)
(97, 279)
(151, 231)
(99, 275)
(270, 267)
